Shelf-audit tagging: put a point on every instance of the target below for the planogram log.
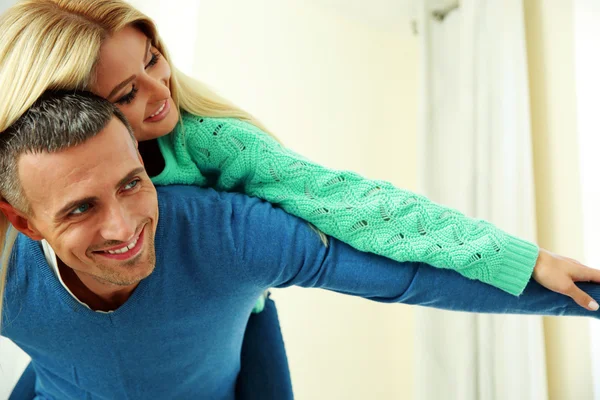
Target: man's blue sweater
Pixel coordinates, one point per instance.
(180, 333)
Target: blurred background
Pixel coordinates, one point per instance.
(486, 106)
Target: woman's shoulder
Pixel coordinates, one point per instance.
(189, 120)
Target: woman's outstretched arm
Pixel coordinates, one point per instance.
(371, 216)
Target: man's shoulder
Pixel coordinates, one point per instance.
(192, 202)
(194, 195)
(211, 221)
(176, 193)
(206, 207)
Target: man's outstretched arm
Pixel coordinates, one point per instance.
(279, 250)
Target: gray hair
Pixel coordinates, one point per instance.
(58, 120)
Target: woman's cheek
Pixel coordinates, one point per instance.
(135, 117)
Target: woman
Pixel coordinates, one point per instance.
(189, 135)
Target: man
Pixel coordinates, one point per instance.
(151, 291)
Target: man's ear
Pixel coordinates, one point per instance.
(20, 221)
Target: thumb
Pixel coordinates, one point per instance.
(582, 298)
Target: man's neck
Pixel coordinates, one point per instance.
(97, 295)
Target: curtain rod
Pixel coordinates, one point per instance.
(443, 13)
(438, 15)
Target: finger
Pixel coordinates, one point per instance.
(582, 298)
(572, 260)
(585, 274)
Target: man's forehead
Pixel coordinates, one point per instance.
(100, 162)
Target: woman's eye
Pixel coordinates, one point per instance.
(128, 98)
(81, 209)
(131, 184)
(153, 59)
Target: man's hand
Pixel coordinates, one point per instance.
(559, 274)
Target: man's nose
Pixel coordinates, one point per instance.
(118, 225)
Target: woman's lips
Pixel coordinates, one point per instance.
(160, 113)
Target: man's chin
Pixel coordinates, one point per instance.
(128, 277)
(130, 272)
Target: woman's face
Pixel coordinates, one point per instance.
(135, 76)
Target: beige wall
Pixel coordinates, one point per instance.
(344, 95)
(553, 107)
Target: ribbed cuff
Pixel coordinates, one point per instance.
(518, 259)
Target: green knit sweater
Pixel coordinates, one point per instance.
(373, 216)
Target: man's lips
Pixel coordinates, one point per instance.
(124, 251)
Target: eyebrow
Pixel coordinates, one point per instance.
(72, 204)
(126, 82)
(130, 176)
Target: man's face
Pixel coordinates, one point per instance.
(95, 205)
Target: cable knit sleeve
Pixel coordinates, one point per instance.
(372, 216)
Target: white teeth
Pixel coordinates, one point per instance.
(123, 249)
(159, 110)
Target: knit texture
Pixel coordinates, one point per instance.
(373, 216)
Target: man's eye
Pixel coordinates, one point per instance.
(131, 184)
(81, 209)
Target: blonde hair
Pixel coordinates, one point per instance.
(54, 44)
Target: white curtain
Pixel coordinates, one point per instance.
(476, 156)
(587, 64)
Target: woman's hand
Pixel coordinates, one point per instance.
(559, 274)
